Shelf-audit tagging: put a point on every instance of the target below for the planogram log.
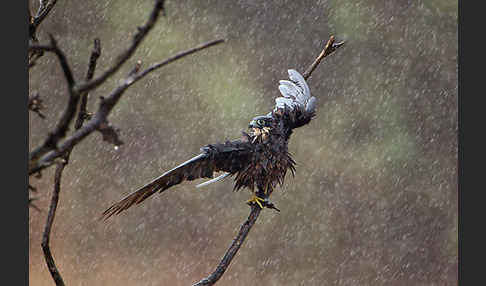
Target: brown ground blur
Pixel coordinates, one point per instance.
(374, 200)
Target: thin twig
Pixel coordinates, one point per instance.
(122, 58)
(178, 56)
(83, 114)
(255, 210)
(95, 54)
(105, 108)
(62, 126)
(34, 56)
(45, 7)
(50, 219)
(330, 47)
(53, 47)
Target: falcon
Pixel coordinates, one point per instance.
(258, 161)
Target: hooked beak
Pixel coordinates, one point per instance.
(252, 124)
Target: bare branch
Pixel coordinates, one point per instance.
(50, 219)
(60, 131)
(255, 210)
(34, 56)
(44, 8)
(34, 21)
(122, 58)
(330, 47)
(62, 126)
(57, 180)
(106, 105)
(178, 56)
(95, 54)
(83, 114)
(233, 249)
(52, 47)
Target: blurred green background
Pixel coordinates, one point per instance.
(374, 199)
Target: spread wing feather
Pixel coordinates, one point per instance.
(296, 93)
(296, 104)
(229, 157)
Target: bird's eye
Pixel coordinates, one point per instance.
(261, 122)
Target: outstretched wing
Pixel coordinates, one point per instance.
(296, 99)
(229, 157)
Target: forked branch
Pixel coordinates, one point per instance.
(62, 126)
(61, 164)
(45, 6)
(105, 107)
(77, 90)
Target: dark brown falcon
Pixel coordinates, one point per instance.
(258, 161)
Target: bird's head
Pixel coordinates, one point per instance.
(261, 125)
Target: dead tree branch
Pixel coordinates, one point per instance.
(34, 21)
(45, 6)
(51, 265)
(330, 47)
(105, 107)
(75, 93)
(62, 126)
(123, 57)
(83, 113)
(46, 154)
(175, 57)
(233, 249)
(56, 275)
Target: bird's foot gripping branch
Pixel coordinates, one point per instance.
(261, 202)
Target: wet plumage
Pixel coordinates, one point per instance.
(259, 160)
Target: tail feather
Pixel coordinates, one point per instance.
(188, 170)
(134, 198)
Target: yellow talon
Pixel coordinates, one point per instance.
(256, 199)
